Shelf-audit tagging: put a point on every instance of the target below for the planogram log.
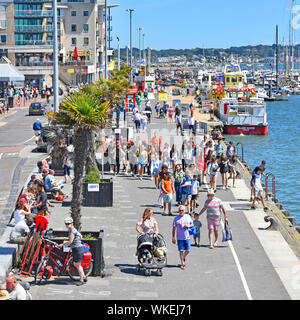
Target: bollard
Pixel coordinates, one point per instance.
(286, 212)
(292, 220)
(273, 223)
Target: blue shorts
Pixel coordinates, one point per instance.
(184, 245)
(142, 164)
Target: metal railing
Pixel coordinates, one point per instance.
(33, 28)
(242, 148)
(33, 42)
(273, 193)
(33, 13)
(32, 1)
(34, 64)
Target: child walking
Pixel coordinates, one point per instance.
(198, 225)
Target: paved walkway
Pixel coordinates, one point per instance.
(239, 270)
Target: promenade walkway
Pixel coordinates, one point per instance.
(250, 267)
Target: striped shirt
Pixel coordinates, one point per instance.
(213, 208)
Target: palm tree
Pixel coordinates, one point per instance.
(82, 112)
(87, 111)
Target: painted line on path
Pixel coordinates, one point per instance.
(236, 259)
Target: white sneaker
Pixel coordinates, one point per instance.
(223, 187)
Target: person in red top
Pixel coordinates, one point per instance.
(156, 141)
(167, 187)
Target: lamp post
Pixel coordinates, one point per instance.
(144, 53)
(140, 54)
(55, 59)
(130, 13)
(118, 53)
(105, 39)
(126, 55)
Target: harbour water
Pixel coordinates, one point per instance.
(280, 148)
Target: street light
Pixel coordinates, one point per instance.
(130, 13)
(144, 53)
(55, 59)
(118, 53)
(140, 29)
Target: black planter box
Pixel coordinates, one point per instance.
(96, 247)
(57, 166)
(103, 197)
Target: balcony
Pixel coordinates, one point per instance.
(36, 63)
(33, 13)
(34, 43)
(75, 63)
(32, 1)
(34, 29)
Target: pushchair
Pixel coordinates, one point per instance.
(161, 113)
(151, 252)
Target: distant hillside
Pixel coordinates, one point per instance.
(261, 51)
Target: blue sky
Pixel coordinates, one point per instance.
(180, 24)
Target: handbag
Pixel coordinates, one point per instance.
(192, 230)
(227, 232)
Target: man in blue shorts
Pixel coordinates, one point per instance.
(181, 223)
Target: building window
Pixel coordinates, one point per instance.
(85, 27)
(3, 38)
(2, 8)
(85, 13)
(2, 24)
(85, 41)
(74, 41)
(73, 27)
(73, 13)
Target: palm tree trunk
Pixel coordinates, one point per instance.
(91, 155)
(80, 153)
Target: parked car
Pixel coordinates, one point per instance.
(37, 108)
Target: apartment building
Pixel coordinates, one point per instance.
(26, 39)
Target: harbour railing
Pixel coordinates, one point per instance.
(273, 186)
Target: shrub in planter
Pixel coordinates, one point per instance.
(97, 192)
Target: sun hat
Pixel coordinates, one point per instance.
(68, 220)
(210, 192)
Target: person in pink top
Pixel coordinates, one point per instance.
(213, 207)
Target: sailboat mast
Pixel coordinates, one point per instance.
(277, 55)
(293, 2)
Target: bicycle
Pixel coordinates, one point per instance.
(61, 264)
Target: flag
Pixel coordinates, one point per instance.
(142, 63)
(111, 65)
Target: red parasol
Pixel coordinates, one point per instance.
(75, 54)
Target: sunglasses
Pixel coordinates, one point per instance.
(181, 210)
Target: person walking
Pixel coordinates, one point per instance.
(258, 189)
(195, 192)
(167, 186)
(76, 247)
(147, 224)
(213, 207)
(142, 158)
(67, 169)
(178, 120)
(180, 230)
(137, 120)
(178, 177)
(186, 187)
(224, 169)
(232, 169)
(198, 225)
(213, 169)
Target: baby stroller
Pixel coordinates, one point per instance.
(151, 252)
(161, 113)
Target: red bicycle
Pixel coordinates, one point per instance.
(60, 263)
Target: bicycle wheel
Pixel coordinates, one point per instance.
(38, 274)
(73, 272)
